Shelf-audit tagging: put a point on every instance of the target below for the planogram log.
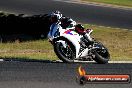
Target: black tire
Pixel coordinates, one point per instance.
(102, 56)
(83, 80)
(59, 53)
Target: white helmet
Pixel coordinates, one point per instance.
(57, 14)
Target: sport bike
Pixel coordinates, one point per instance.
(70, 46)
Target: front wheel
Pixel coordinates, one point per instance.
(102, 55)
(66, 54)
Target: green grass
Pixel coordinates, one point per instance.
(39, 49)
(114, 2)
(119, 43)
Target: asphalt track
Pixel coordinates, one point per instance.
(113, 17)
(57, 75)
(16, 74)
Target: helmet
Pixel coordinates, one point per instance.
(79, 28)
(65, 21)
(56, 14)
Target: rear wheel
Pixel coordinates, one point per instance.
(66, 54)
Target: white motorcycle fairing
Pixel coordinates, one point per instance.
(72, 36)
(70, 46)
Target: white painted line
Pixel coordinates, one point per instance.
(76, 61)
(1, 60)
(120, 61)
(95, 62)
(112, 27)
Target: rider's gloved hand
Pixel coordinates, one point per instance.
(50, 40)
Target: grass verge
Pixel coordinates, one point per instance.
(114, 2)
(119, 43)
(39, 49)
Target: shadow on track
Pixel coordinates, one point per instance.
(43, 61)
(22, 27)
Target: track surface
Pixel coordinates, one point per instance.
(61, 75)
(56, 75)
(80, 12)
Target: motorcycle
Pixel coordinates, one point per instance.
(70, 46)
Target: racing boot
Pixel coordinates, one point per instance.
(88, 41)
